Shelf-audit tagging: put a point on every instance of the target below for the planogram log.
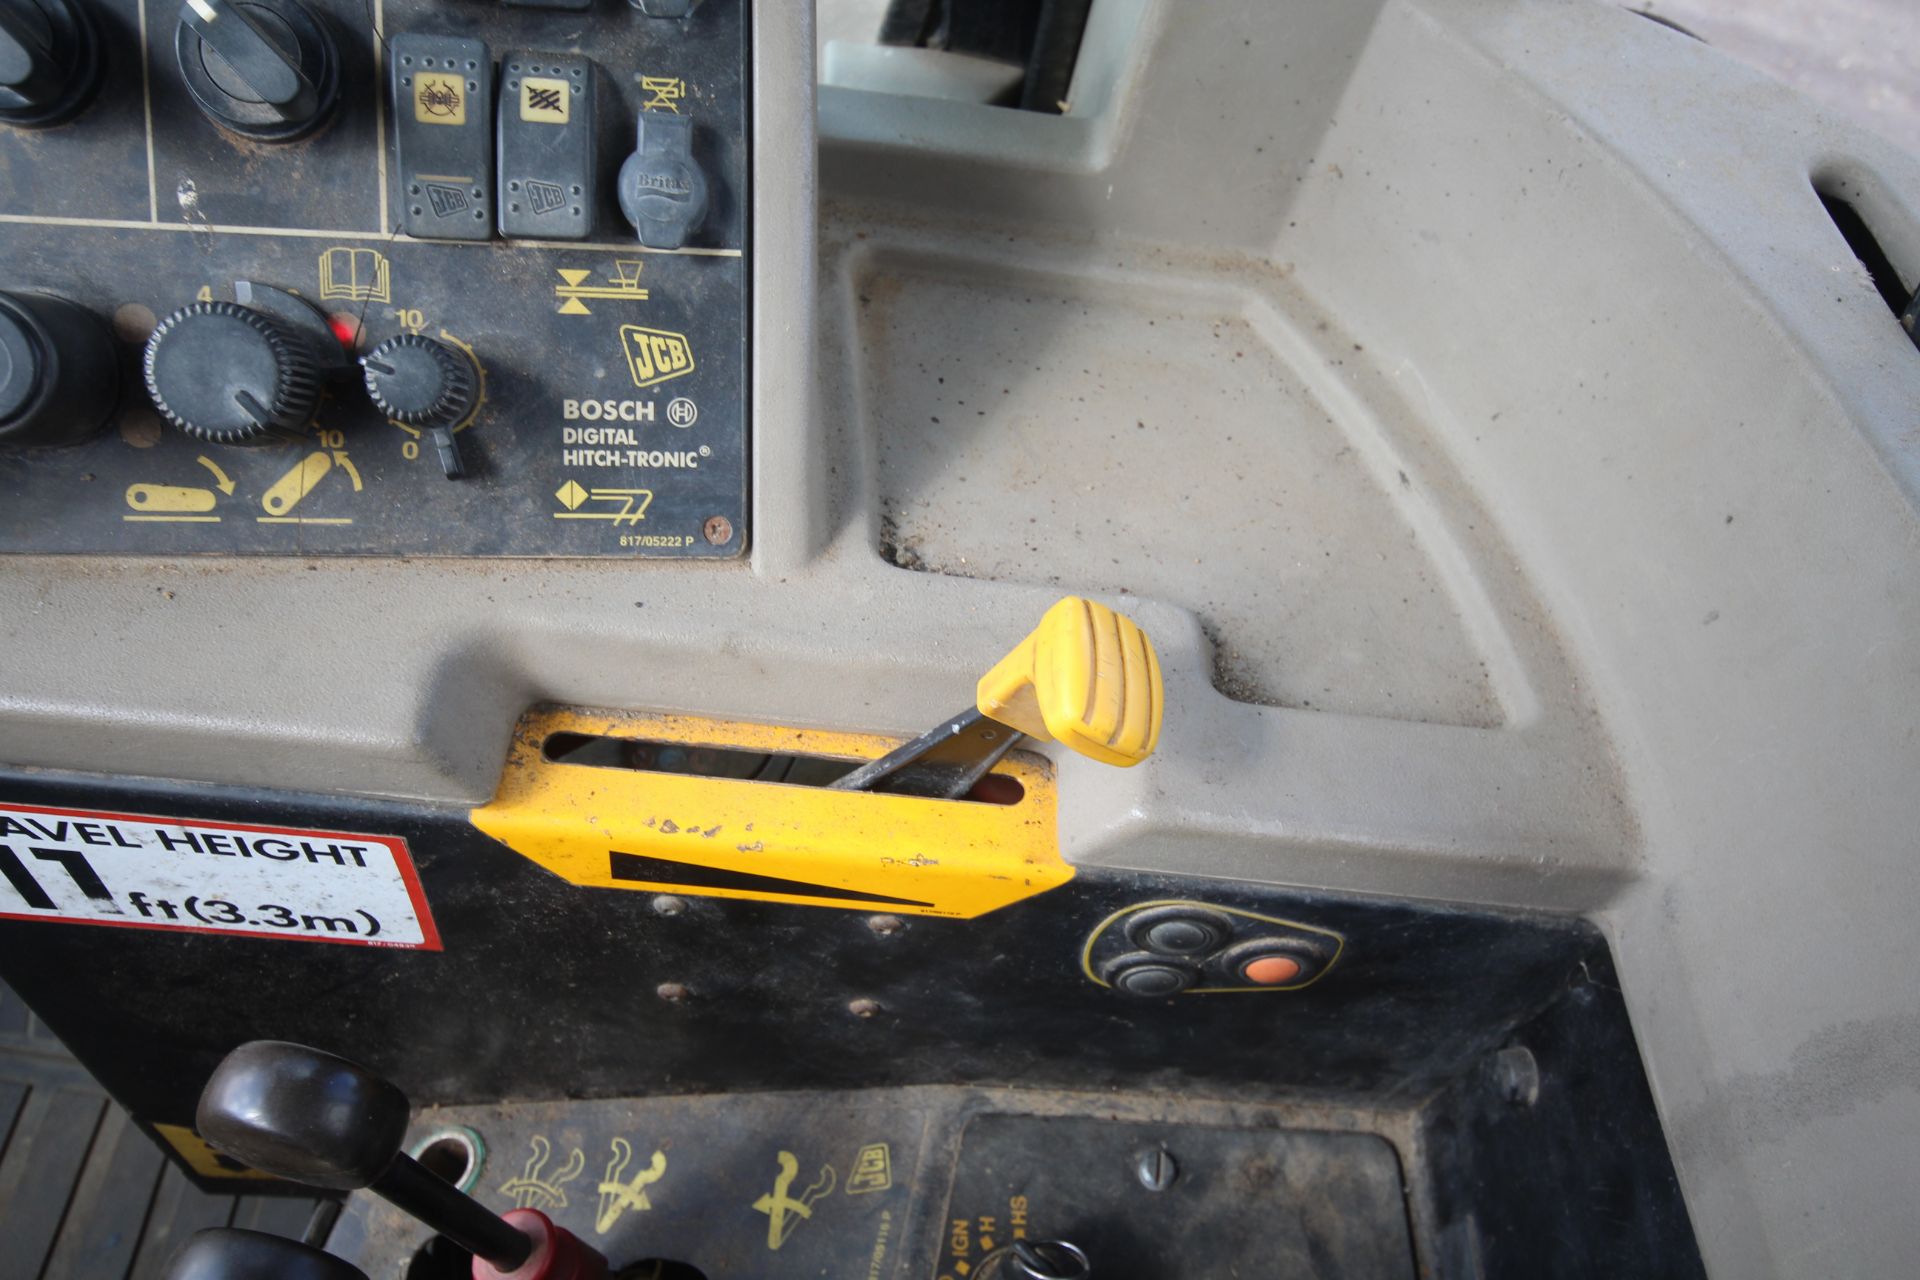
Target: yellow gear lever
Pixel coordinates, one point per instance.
(1087, 677)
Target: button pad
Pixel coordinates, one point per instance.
(1157, 950)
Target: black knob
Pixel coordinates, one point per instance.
(302, 1114)
(49, 61)
(227, 373)
(228, 1253)
(420, 381)
(268, 69)
(59, 371)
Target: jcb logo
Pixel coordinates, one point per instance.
(654, 355)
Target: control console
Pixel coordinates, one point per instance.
(374, 277)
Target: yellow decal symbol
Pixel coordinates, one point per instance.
(872, 1170)
(534, 1188)
(784, 1212)
(545, 101)
(201, 1157)
(178, 504)
(286, 493)
(664, 93)
(616, 1197)
(439, 98)
(621, 506)
(623, 286)
(655, 355)
(355, 275)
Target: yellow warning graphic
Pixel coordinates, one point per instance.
(665, 93)
(355, 275)
(655, 355)
(623, 285)
(737, 838)
(439, 98)
(784, 1210)
(621, 506)
(200, 1156)
(545, 101)
(534, 1187)
(618, 1193)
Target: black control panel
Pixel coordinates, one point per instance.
(374, 277)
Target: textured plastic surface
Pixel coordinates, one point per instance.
(1088, 678)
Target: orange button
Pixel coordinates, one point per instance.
(1271, 971)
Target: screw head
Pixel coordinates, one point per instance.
(719, 530)
(863, 1007)
(886, 926)
(672, 992)
(1156, 1168)
(667, 905)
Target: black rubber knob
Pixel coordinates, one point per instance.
(302, 1114)
(59, 371)
(228, 1253)
(268, 69)
(49, 61)
(312, 1117)
(420, 381)
(228, 374)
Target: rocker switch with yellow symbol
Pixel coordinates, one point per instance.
(545, 138)
(1087, 678)
(443, 136)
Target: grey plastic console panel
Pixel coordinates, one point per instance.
(1598, 245)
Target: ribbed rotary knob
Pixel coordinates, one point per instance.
(226, 373)
(420, 381)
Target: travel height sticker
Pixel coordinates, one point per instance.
(138, 871)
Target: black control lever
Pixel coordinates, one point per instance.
(312, 1117)
(227, 1253)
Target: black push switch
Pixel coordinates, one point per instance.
(547, 146)
(442, 118)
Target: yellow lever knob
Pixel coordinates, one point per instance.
(1087, 677)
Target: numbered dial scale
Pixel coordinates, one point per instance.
(606, 411)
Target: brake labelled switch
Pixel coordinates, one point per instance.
(546, 146)
(662, 189)
(443, 136)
